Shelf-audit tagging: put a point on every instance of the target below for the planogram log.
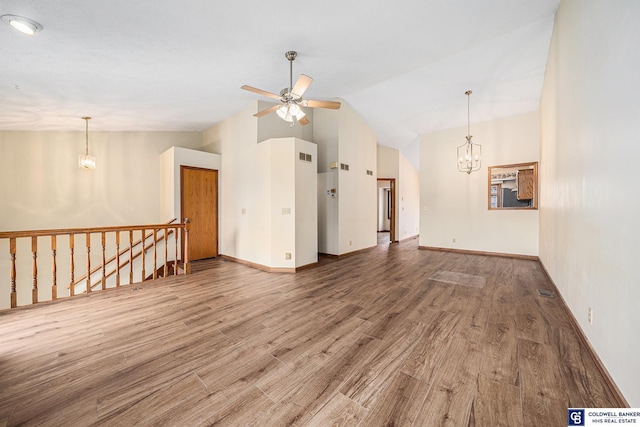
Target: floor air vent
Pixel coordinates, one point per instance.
(545, 293)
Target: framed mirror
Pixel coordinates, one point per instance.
(513, 186)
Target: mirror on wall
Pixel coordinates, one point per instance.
(513, 186)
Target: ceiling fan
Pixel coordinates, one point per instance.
(291, 97)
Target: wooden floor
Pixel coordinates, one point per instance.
(365, 340)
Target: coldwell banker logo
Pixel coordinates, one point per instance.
(576, 417)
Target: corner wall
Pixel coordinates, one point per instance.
(348, 221)
(357, 194)
(393, 164)
(454, 204)
(262, 181)
(589, 206)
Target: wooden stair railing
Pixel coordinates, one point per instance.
(132, 258)
(108, 271)
(168, 228)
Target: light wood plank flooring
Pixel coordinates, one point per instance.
(366, 340)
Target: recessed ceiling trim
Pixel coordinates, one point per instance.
(20, 23)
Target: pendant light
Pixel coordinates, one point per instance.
(469, 154)
(85, 161)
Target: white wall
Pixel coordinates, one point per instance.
(388, 163)
(171, 160)
(393, 164)
(328, 223)
(357, 190)
(306, 204)
(261, 179)
(348, 222)
(384, 222)
(325, 135)
(589, 205)
(454, 204)
(244, 227)
(408, 195)
(293, 203)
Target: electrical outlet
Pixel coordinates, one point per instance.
(287, 255)
(590, 316)
(453, 240)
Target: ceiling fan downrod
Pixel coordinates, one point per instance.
(291, 56)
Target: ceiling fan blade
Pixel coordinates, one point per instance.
(260, 91)
(304, 121)
(266, 111)
(301, 85)
(333, 105)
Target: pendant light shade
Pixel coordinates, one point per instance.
(469, 154)
(86, 161)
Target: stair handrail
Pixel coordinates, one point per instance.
(112, 271)
(113, 258)
(33, 235)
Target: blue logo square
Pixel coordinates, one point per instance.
(575, 417)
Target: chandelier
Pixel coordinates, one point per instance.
(469, 154)
(85, 161)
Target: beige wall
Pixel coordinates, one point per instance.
(409, 199)
(44, 188)
(454, 204)
(589, 206)
(259, 180)
(357, 192)
(348, 221)
(393, 164)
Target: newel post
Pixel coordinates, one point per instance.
(12, 251)
(187, 227)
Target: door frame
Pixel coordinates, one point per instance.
(217, 200)
(392, 225)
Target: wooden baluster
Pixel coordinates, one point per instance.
(165, 271)
(34, 251)
(155, 255)
(72, 286)
(175, 258)
(104, 261)
(12, 251)
(88, 242)
(144, 260)
(130, 256)
(187, 265)
(54, 269)
(117, 259)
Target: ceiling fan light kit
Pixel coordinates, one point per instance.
(291, 97)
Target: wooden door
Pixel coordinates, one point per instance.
(199, 203)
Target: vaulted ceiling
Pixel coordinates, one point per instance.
(167, 65)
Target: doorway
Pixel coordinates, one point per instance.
(386, 210)
(199, 203)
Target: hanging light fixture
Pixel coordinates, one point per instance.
(290, 111)
(20, 23)
(469, 154)
(85, 161)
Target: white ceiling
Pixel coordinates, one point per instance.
(167, 65)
